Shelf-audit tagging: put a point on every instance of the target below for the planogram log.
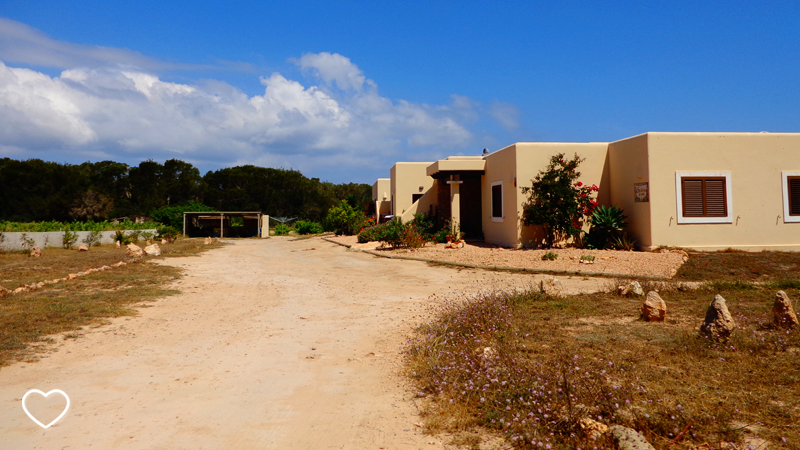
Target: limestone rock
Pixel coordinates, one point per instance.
(134, 250)
(35, 252)
(632, 288)
(83, 248)
(489, 353)
(118, 244)
(207, 241)
(593, 428)
(783, 312)
(654, 309)
(551, 286)
(163, 242)
(21, 289)
(629, 439)
(719, 323)
(153, 250)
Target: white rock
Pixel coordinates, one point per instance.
(551, 286)
(134, 250)
(153, 250)
(83, 248)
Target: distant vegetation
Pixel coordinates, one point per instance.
(41, 191)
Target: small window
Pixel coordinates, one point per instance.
(791, 196)
(497, 201)
(703, 197)
(415, 197)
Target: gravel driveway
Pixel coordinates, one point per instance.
(608, 262)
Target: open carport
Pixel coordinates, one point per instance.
(223, 224)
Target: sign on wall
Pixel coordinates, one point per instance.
(641, 192)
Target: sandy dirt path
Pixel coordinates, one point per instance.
(272, 344)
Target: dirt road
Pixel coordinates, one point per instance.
(272, 344)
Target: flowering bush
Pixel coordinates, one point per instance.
(557, 201)
(473, 357)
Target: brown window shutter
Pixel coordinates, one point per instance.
(794, 196)
(692, 197)
(716, 206)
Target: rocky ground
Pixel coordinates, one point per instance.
(610, 262)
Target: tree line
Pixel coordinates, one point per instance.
(36, 190)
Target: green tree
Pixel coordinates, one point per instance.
(557, 201)
(344, 219)
(173, 215)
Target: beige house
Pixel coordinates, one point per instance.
(704, 191)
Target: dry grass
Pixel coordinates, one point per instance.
(734, 265)
(558, 360)
(31, 317)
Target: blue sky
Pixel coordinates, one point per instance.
(342, 90)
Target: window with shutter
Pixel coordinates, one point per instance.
(791, 196)
(703, 197)
(794, 196)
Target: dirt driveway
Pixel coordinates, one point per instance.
(272, 344)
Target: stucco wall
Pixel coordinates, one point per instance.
(501, 166)
(406, 178)
(11, 240)
(382, 188)
(424, 204)
(755, 161)
(534, 157)
(629, 164)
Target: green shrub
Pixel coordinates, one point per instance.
(392, 233)
(370, 234)
(440, 236)
(167, 232)
(549, 256)
(307, 227)
(93, 239)
(282, 229)
(69, 239)
(27, 243)
(344, 219)
(123, 238)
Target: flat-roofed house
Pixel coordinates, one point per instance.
(704, 191)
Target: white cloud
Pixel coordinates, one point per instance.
(334, 68)
(506, 114)
(131, 114)
(22, 44)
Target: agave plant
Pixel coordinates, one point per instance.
(607, 225)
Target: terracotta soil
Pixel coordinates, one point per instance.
(646, 264)
(272, 344)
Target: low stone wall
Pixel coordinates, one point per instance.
(11, 241)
